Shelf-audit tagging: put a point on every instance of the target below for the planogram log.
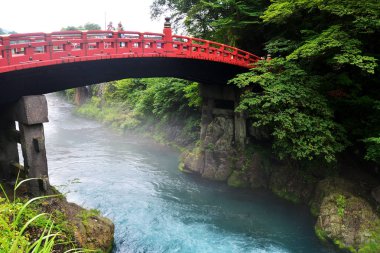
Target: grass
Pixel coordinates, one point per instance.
(24, 230)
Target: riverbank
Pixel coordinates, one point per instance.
(50, 223)
(346, 211)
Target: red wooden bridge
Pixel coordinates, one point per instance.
(33, 57)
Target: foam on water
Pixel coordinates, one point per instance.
(155, 207)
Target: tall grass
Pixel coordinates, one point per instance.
(15, 220)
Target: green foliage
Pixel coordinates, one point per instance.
(341, 204)
(373, 149)
(226, 21)
(289, 105)
(24, 229)
(140, 104)
(337, 43)
(191, 92)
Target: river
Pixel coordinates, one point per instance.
(156, 208)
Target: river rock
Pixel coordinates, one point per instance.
(213, 159)
(91, 230)
(349, 221)
(329, 186)
(291, 184)
(257, 174)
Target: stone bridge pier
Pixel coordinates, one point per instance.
(223, 134)
(30, 112)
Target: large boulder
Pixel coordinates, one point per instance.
(345, 217)
(349, 222)
(329, 186)
(90, 230)
(214, 157)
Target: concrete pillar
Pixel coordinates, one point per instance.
(222, 99)
(81, 95)
(206, 117)
(31, 112)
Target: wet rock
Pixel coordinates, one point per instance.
(292, 184)
(213, 159)
(257, 174)
(238, 179)
(93, 232)
(193, 161)
(328, 186)
(348, 221)
(90, 230)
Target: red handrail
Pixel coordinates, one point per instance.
(29, 50)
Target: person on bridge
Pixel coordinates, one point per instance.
(110, 27)
(120, 27)
(121, 35)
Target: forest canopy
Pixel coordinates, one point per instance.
(320, 95)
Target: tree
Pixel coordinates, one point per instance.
(226, 21)
(328, 59)
(91, 26)
(87, 26)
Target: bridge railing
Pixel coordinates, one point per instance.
(19, 51)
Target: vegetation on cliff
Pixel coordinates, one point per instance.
(49, 224)
(166, 106)
(322, 90)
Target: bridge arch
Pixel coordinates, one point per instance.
(39, 63)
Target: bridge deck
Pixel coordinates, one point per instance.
(22, 51)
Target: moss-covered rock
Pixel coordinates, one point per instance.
(348, 221)
(213, 158)
(257, 172)
(332, 185)
(238, 179)
(291, 184)
(90, 229)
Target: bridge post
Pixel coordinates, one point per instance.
(30, 112)
(168, 36)
(223, 100)
(223, 134)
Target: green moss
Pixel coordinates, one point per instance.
(290, 196)
(341, 204)
(342, 246)
(181, 166)
(85, 215)
(373, 244)
(237, 180)
(321, 234)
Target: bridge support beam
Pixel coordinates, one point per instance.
(30, 112)
(222, 100)
(81, 95)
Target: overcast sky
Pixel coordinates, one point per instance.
(25, 16)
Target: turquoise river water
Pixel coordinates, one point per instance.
(155, 207)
